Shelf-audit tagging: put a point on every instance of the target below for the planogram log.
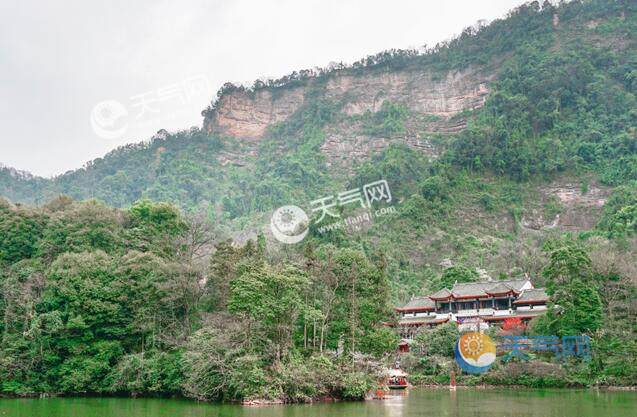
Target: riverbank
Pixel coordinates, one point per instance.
(260, 402)
(421, 402)
(435, 370)
(515, 387)
(517, 381)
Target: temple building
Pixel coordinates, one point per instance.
(472, 304)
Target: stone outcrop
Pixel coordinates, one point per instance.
(247, 114)
(577, 210)
(346, 144)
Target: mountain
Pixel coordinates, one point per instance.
(509, 152)
(509, 132)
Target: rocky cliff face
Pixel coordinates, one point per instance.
(248, 114)
(573, 208)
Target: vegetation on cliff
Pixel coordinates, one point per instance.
(150, 299)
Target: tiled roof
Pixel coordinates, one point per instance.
(418, 321)
(535, 294)
(499, 289)
(468, 290)
(418, 303)
(528, 314)
(442, 294)
(516, 284)
(481, 288)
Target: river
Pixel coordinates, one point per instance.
(419, 402)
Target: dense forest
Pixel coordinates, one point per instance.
(103, 300)
(133, 275)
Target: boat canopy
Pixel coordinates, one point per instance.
(397, 373)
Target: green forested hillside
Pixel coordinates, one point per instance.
(564, 99)
(138, 291)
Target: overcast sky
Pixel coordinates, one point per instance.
(134, 67)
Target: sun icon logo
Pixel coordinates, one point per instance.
(287, 218)
(289, 224)
(475, 352)
(473, 346)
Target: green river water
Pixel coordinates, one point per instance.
(419, 402)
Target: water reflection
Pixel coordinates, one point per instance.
(420, 402)
(395, 403)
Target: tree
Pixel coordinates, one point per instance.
(575, 304)
(160, 300)
(440, 340)
(380, 341)
(567, 262)
(226, 263)
(215, 370)
(20, 232)
(272, 299)
(575, 308)
(155, 226)
(86, 294)
(455, 274)
(357, 299)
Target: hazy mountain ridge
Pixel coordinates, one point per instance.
(504, 99)
(447, 80)
(510, 152)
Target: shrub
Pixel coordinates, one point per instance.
(355, 385)
(438, 341)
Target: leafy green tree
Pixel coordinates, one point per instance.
(567, 262)
(80, 227)
(575, 309)
(271, 299)
(152, 372)
(20, 232)
(575, 304)
(360, 303)
(620, 212)
(455, 274)
(438, 341)
(225, 264)
(154, 226)
(379, 341)
(86, 292)
(388, 121)
(624, 221)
